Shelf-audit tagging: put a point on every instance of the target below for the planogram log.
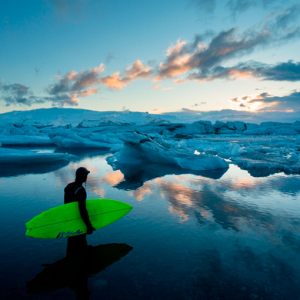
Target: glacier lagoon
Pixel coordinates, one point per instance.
(217, 234)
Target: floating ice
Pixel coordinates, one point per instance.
(293, 157)
(194, 128)
(226, 131)
(240, 126)
(66, 138)
(25, 140)
(8, 156)
(272, 130)
(140, 148)
(250, 126)
(236, 150)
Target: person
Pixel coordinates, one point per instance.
(75, 192)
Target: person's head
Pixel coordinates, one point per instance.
(81, 174)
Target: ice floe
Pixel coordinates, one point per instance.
(66, 138)
(14, 156)
(139, 148)
(141, 138)
(25, 140)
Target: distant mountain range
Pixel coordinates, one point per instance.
(86, 118)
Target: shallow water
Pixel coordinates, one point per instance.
(205, 235)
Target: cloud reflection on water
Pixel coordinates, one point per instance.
(237, 201)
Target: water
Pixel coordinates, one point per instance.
(209, 235)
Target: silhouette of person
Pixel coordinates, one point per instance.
(75, 192)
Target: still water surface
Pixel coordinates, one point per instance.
(213, 235)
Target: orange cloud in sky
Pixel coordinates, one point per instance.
(133, 72)
(113, 82)
(74, 98)
(176, 67)
(99, 69)
(252, 102)
(179, 81)
(240, 74)
(87, 92)
(156, 111)
(137, 70)
(71, 75)
(175, 49)
(155, 87)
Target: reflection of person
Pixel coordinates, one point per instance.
(75, 192)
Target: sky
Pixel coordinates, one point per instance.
(154, 56)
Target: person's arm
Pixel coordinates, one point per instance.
(81, 196)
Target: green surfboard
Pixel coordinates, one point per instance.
(65, 220)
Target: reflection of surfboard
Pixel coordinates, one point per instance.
(65, 220)
(66, 272)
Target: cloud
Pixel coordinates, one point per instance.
(69, 9)
(156, 111)
(179, 81)
(74, 82)
(16, 94)
(198, 104)
(206, 58)
(234, 6)
(109, 57)
(74, 85)
(114, 82)
(37, 70)
(19, 94)
(267, 102)
(240, 6)
(133, 72)
(64, 99)
(283, 71)
(137, 70)
(166, 89)
(286, 71)
(88, 91)
(207, 5)
(156, 87)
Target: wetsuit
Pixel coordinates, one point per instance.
(75, 192)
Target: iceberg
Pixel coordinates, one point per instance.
(137, 176)
(240, 126)
(251, 126)
(293, 157)
(273, 163)
(66, 138)
(13, 156)
(236, 150)
(139, 149)
(25, 140)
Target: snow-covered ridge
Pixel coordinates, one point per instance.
(63, 116)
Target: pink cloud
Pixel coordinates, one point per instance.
(114, 82)
(133, 72)
(168, 88)
(87, 92)
(179, 81)
(137, 70)
(155, 87)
